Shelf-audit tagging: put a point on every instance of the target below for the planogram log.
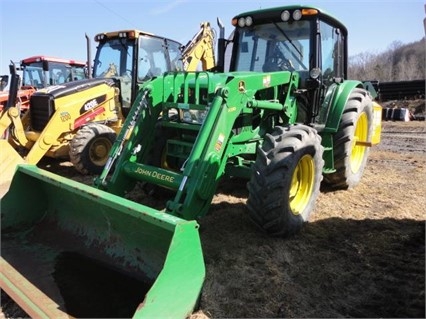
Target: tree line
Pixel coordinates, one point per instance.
(400, 62)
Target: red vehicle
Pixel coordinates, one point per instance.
(41, 71)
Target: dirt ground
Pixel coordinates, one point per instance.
(361, 255)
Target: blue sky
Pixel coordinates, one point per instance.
(57, 28)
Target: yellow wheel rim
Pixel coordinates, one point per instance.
(302, 184)
(99, 151)
(358, 151)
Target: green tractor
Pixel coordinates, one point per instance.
(284, 117)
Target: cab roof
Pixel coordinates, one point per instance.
(272, 12)
(41, 58)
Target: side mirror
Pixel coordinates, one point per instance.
(45, 65)
(4, 80)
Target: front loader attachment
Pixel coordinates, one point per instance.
(71, 250)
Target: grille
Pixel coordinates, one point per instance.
(42, 109)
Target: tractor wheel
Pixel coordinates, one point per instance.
(285, 180)
(158, 158)
(90, 147)
(355, 125)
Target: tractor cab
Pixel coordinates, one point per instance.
(42, 71)
(296, 39)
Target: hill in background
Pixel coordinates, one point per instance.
(399, 62)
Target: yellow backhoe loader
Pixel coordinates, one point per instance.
(81, 119)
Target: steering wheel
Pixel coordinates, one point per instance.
(277, 63)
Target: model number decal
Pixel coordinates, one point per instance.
(65, 116)
(92, 103)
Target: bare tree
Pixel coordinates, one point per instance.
(398, 62)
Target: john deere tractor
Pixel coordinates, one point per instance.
(284, 117)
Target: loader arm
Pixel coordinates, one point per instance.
(205, 148)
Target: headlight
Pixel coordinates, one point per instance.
(245, 22)
(285, 15)
(194, 116)
(241, 22)
(315, 73)
(99, 37)
(297, 14)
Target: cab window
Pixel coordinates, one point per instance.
(331, 52)
(152, 59)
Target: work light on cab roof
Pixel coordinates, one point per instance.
(286, 15)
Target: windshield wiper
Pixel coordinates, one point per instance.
(294, 46)
(288, 39)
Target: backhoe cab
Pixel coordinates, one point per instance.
(132, 57)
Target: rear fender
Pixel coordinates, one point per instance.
(337, 105)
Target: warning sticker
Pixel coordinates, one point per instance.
(219, 142)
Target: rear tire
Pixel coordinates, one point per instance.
(356, 124)
(285, 180)
(90, 147)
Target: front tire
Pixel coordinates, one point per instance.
(355, 125)
(285, 180)
(90, 147)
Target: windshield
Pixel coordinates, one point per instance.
(274, 47)
(113, 58)
(58, 73)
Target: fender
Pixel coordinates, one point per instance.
(338, 104)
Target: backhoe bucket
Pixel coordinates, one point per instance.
(9, 160)
(71, 250)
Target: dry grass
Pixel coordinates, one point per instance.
(361, 255)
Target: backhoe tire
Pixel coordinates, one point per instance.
(90, 147)
(355, 125)
(285, 180)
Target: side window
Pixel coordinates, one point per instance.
(175, 56)
(33, 76)
(78, 73)
(152, 59)
(58, 74)
(331, 43)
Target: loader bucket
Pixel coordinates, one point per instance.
(71, 250)
(9, 160)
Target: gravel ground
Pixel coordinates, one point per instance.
(361, 255)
